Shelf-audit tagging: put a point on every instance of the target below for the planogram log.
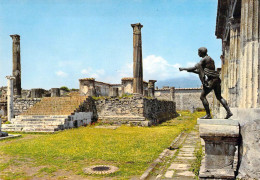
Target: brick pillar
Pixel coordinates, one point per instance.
(16, 65)
(137, 59)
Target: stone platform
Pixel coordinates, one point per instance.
(10, 136)
(221, 137)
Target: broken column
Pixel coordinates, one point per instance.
(10, 96)
(55, 92)
(37, 93)
(172, 93)
(151, 88)
(221, 137)
(16, 65)
(137, 59)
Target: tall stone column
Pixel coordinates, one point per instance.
(151, 88)
(10, 97)
(250, 66)
(234, 61)
(137, 58)
(16, 64)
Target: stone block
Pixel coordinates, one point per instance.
(221, 137)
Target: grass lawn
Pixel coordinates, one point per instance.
(64, 154)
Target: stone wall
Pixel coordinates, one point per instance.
(21, 105)
(185, 98)
(135, 109)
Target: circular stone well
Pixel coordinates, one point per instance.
(100, 169)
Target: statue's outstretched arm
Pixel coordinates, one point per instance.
(190, 69)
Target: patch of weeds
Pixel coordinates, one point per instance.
(195, 166)
(48, 170)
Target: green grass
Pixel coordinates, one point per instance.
(195, 166)
(131, 149)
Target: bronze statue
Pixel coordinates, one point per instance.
(210, 81)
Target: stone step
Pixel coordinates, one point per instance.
(41, 116)
(29, 125)
(53, 123)
(31, 129)
(127, 118)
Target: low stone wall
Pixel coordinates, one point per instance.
(185, 98)
(159, 110)
(21, 105)
(135, 109)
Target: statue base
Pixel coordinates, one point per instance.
(221, 137)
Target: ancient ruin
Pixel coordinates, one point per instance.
(131, 102)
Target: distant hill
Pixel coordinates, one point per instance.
(185, 82)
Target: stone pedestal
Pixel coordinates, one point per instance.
(221, 138)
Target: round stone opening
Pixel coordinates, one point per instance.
(100, 169)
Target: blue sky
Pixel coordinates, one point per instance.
(65, 40)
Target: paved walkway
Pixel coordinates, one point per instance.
(176, 164)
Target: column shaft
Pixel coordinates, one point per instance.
(137, 59)
(16, 64)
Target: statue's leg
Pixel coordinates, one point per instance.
(217, 91)
(204, 93)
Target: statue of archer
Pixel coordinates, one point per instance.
(210, 81)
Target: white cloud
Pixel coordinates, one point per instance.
(156, 67)
(61, 74)
(89, 72)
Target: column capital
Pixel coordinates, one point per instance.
(15, 37)
(10, 77)
(137, 28)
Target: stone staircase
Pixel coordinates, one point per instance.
(51, 114)
(56, 106)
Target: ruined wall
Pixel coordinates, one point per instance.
(135, 109)
(21, 105)
(185, 98)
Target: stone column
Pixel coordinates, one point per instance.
(16, 65)
(234, 62)
(250, 52)
(137, 59)
(172, 93)
(221, 137)
(55, 92)
(113, 92)
(151, 88)
(10, 97)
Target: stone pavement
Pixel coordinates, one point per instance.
(177, 163)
